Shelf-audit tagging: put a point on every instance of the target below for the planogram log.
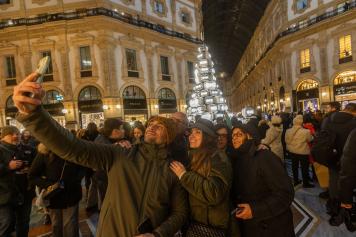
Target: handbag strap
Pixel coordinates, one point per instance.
(65, 163)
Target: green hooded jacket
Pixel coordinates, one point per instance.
(143, 195)
(209, 197)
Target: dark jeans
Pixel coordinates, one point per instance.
(6, 220)
(334, 183)
(22, 217)
(303, 160)
(65, 222)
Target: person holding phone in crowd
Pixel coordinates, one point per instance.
(144, 198)
(261, 189)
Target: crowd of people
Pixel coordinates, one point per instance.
(169, 177)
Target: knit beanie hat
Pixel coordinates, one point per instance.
(206, 126)
(110, 124)
(169, 124)
(9, 130)
(298, 120)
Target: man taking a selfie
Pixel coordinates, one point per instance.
(144, 198)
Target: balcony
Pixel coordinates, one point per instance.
(82, 13)
(345, 59)
(86, 73)
(133, 74)
(305, 69)
(166, 77)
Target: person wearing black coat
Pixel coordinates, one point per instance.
(15, 193)
(347, 183)
(341, 124)
(348, 170)
(262, 189)
(63, 207)
(112, 132)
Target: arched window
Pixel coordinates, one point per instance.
(135, 104)
(166, 94)
(89, 93)
(133, 92)
(52, 97)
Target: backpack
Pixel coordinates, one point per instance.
(323, 149)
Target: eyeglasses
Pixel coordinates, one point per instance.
(222, 135)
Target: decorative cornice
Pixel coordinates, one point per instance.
(40, 2)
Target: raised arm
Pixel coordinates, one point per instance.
(52, 135)
(64, 144)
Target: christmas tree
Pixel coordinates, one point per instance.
(206, 99)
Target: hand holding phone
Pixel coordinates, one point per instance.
(41, 70)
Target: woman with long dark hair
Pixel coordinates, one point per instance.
(208, 182)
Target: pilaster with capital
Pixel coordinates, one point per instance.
(149, 51)
(107, 50)
(26, 54)
(323, 59)
(180, 74)
(63, 49)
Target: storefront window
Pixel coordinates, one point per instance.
(345, 77)
(135, 104)
(167, 101)
(307, 85)
(308, 95)
(345, 88)
(90, 106)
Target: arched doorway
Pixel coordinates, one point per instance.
(167, 101)
(10, 113)
(135, 104)
(308, 95)
(52, 102)
(90, 106)
(345, 88)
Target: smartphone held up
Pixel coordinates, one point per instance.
(40, 70)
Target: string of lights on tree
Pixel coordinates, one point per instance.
(206, 99)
